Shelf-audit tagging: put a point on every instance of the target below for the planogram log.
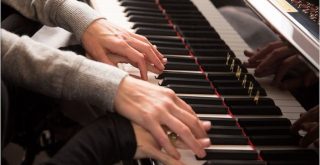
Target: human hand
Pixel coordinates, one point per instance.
(268, 59)
(102, 38)
(153, 107)
(148, 147)
(309, 122)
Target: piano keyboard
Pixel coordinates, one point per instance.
(250, 119)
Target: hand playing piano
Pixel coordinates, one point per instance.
(309, 122)
(102, 38)
(153, 107)
(147, 147)
(278, 58)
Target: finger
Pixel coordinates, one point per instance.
(184, 105)
(205, 142)
(159, 134)
(185, 134)
(248, 53)
(265, 71)
(146, 49)
(265, 51)
(144, 39)
(206, 125)
(164, 158)
(308, 126)
(287, 64)
(191, 121)
(307, 117)
(310, 137)
(275, 56)
(251, 64)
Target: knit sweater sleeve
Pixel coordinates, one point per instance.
(71, 15)
(56, 73)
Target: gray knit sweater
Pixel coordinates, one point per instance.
(52, 72)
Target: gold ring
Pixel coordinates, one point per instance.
(172, 136)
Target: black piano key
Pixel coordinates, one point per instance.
(293, 162)
(168, 44)
(290, 154)
(228, 139)
(225, 130)
(190, 22)
(248, 101)
(147, 19)
(209, 109)
(164, 38)
(208, 34)
(185, 81)
(209, 46)
(197, 40)
(139, 13)
(194, 27)
(220, 121)
(226, 83)
(235, 162)
(181, 66)
(139, 4)
(142, 9)
(191, 89)
(217, 60)
(201, 100)
(275, 140)
(255, 122)
(185, 59)
(152, 25)
(154, 31)
(223, 76)
(230, 154)
(211, 52)
(240, 91)
(215, 67)
(179, 6)
(268, 130)
(255, 110)
(236, 91)
(168, 50)
(181, 75)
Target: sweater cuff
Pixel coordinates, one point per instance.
(77, 18)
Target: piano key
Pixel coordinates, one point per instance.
(225, 130)
(194, 33)
(226, 83)
(268, 130)
(191, 89)
(164, 38)
(209, 109)
(297, 154)
(197, 40)
(139, 13)
(251, 122)
(147, 19)
(248, 101)
(230, 154)
(293, 162)
(275, 140)
(186, 81)
(209, 46)
(195, 75)
(228, 139)
(168, 44)
(181, 66)
(142, 9)
(235, 162)
(236, 91)
(155, 31)
(139, 4)
(151, 25)
(177, 58)
(186, 21)
(220, 121)
(255, 110)
(211, 52)
(168, 50)
(201, 100)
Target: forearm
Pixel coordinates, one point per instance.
(71, 15)
(106, 141)
(59, 74)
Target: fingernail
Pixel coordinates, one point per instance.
(207, 142)
(202, 154)
(206, 124)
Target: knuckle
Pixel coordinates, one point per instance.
(169, 92)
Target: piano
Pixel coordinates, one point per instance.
(250, 118)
